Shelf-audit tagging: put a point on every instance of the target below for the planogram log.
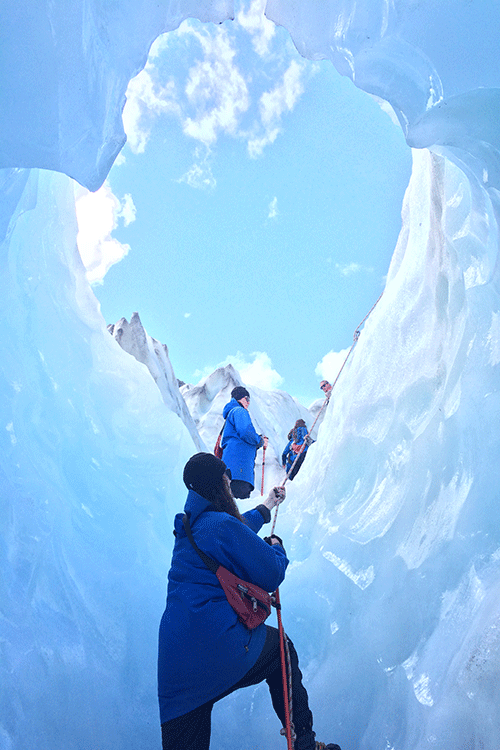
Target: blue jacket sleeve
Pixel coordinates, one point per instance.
(250, 557)
(255, 518)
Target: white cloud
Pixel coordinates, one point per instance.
(215, 96)
(120, 159)
(187, 315)
(128, 210)
(146, 99)
(257, 144)
(350, 268)
(274, 103)
(273, 208)
(215, 88)
(160, 44)
(283, 96)
(258, 371)
(329, 367)
(97, 215)
(200, 174)
(259, 27)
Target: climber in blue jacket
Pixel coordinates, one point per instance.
(240, 442)
(205, 652)
(297, 436)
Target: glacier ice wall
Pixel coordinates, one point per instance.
(89, 451)
(433, 62)
(399, 513)
(393, 521)
(133, 339)
(65, 70)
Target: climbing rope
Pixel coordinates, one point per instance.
(286, 670)
(288, 730)
(356, 336)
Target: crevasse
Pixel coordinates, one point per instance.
(400, 490)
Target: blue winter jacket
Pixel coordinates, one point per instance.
(289, 456)
(203, 647)
(239, 442)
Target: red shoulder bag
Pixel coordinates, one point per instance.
(251, 603)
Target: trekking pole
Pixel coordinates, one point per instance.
(263, 467)
(287, 688)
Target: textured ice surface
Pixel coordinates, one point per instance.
(134, 339)
(392, 525)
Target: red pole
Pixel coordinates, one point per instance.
(263, 467)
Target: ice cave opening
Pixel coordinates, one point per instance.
(303, 164)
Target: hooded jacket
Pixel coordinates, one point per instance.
(203, 647)
(239, 442)
(297, 436)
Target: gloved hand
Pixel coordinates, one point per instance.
(275, 497)
(277, 539)
(308, 440)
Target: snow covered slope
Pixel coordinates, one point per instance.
(200, 406)
(273, 413)
(133, 339)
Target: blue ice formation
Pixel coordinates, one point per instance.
(393, 522)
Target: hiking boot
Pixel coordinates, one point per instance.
(307, 742)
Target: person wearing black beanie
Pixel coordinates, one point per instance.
(205, 651)
(203, 473)
(240, 442)
(239, 392)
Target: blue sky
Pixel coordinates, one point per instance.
(252, 215)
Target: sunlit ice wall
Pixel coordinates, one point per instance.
(395, 515)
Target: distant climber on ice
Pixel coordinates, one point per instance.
(240, 442)
(205, 651)
(326, 387)
(296, 439)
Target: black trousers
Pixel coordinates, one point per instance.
(192, 730)
(297, 466)
(241, 489)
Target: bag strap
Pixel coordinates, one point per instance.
(211, 564)
(232, 412)
(222, 428)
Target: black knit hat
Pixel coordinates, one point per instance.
(239, 392)
(203, 474)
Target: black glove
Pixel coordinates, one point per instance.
(275, 536)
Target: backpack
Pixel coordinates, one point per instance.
(218, 447)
